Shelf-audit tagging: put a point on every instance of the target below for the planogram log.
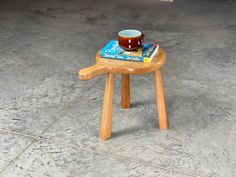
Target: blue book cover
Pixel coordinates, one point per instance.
(112, 50)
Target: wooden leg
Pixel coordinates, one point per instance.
(125, 91)
(106, 121)
(161, 107)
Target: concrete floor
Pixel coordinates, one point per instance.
(49, 120)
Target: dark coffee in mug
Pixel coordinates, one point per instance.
(130, 39)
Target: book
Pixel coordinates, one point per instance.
(145, 54)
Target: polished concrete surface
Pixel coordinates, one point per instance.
(49, 120)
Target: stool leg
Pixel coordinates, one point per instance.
(125, 91)
(161, 108)
(106, 121)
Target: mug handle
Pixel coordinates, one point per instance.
(142, 35)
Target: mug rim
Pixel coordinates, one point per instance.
(139, 33)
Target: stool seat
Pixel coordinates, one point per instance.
(122, 67)
(125, 68)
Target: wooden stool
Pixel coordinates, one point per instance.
(111, 67)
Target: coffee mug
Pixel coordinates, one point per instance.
(130, 39)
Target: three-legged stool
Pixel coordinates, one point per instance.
(125, 68)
